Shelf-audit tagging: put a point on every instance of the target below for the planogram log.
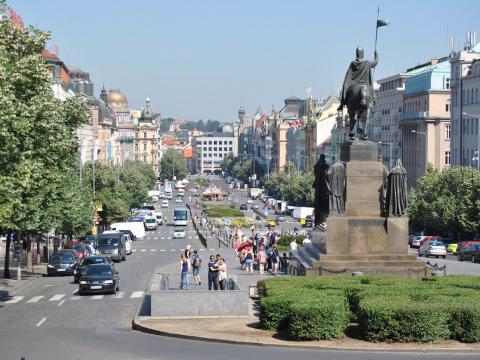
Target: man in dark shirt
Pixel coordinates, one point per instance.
(212, 273)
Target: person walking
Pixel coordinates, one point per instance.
(188, 252)
(212, 274)
(185, 270)
(262, 260)
(275, 256)
(222, 273)
(196, 265)
(293, 245)
(249, 261)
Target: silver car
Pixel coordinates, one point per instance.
(433, 248)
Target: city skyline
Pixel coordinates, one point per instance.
(204, 60)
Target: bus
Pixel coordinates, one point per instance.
(180, 217)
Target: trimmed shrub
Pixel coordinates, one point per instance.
(274, 312)
(465, 321)
(313, 319)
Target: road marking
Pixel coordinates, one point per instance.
(173, 250)
(156, 237)
(162, 250)
(41, 322)
(56, 297)
(182, 249)
(143, 250)
(119, 295)
(61, 302)
(75, 292)
(75, 298)
(153, 250)
(202, 249)
(97, 297)
(136, 294)
(190, 237)
(163, 237)
(134, 250)
(35, 299)
(212, 249)
(14, 300)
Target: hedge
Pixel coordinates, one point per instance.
(388, 308)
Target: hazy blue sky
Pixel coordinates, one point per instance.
(202, 59)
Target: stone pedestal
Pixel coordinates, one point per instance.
(361, 239)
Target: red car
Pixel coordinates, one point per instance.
(80, 250)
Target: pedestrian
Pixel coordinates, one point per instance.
(249, 261)
(188, 252)
(212, 274)
(293, 245)
(262, 260)
(196, 265)
(275, 256)
(91, 248)
(185, 270)
(222, 273)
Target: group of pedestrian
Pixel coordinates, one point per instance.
(192, 263)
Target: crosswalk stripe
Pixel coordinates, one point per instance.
(35, 299)
(56, 297)
(97, 297)
(163, 237)
(14, 300)
(119, 295)
(163, 250)
(202, 249)
(136, 294)
(143, 250)
(153, 250)
(212, 249)
(75, 298)
(173, 250)
(134, 250)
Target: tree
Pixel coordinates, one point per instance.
(37, 141)
(446, 202)
(228, 164)
(137, 178)
(242, 170)
(173, 164)
(296, 188)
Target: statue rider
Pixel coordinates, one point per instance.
(357, 90)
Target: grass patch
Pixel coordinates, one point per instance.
(221, 211)
(202, 182)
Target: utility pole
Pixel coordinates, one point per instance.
(309, 136)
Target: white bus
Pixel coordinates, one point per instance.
(180, 217)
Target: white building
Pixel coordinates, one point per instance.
(209, 151)
(465, 107)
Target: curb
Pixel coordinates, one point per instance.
(26, 282)
(139, 327)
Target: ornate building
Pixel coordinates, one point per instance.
(146, 137)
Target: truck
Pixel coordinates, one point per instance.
(254, 193)
(137, 228)
(281, 207)
(154, 194)
(301, 212)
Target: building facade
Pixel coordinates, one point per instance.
(425, 122)
(146, 137)
(465, 112)
(209, 151)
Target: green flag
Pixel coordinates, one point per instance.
(381, 23)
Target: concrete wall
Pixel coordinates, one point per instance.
(199, 303)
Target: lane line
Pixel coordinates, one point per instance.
(41, 322)
(153, 250)
(202, 249)
(97, 297)
(14, 300)
(56, 297)
(173, 250)
(75, 298)
(136, 294)
(119, 295)
(134, 250)
(35, 299)
(61, 302)
(162, 250)
(75, 292)
(143, 250)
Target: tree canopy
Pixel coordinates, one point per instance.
(295, 187)
(173, 164)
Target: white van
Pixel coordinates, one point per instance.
(128, 241)
(137, 228)
(159, 217)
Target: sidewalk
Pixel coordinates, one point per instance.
(10, 286)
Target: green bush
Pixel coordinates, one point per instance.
(465, 321)
(325, 318)
(285, 240)
(220, 211)
(273, 312)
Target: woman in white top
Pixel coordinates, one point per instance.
(222, 273)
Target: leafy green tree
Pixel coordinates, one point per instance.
(137, 178)
(37, 141)
(296, 188)
(228, 164)
(173, 163)
(242, 170)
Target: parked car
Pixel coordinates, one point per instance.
(417, 241)
(179, 233)
(433, 248)
(308, 221)
(464, 244)
(469, 253)
(452, 248)
(249, 201)
(89, 260)
(178, 200)
(271, 222)
(165, 204)
(62, 263)
(112, 245)
(476, 255)
(129, 233)
(159, 217)
(243, 207)
(280, 218)
(99, 278)
(128, 239)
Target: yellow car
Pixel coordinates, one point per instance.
(452, 248)
(272, 222)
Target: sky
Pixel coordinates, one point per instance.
(203, 59)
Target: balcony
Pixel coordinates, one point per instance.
(415, 115)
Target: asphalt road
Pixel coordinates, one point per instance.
(48, 320)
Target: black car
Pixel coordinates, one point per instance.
(90, 260)
(308, 221)
(99, 278)
(471, 252)
(62, 263)
(243, 207)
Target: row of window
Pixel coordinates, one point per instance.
(216, 148)
(470, 126)
(215, 142)
(144, 147)
(469, 96)
(214, 155)
(144, 158)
